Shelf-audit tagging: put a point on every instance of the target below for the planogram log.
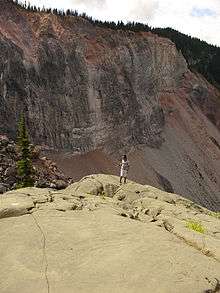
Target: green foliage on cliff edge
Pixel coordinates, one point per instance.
(24, 165)
(200, 56)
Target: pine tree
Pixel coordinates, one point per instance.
(24, 165)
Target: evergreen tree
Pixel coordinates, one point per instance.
(24, 165)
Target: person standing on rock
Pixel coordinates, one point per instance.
(124, 168)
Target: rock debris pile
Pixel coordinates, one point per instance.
(46, 173)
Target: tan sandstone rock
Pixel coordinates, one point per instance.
(84, 239)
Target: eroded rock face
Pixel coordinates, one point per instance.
(85, 88)
(99, 234)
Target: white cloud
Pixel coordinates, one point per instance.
(143, 9)
(178, 15)
(139, 10)
(158, 13)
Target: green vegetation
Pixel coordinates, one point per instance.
(215, 214)
(195, 226)
(24, 165)
(200, 56)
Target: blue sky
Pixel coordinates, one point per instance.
(202, 12)
(198, 18)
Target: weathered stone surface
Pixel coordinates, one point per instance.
(97, 243)
(87, 186)
(109, 190)
(12, 205)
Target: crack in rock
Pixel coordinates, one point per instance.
(44, 253)
(170, 228)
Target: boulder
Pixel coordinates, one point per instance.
(41, 183)
(87, 186)
(12, 205)
(60, 184)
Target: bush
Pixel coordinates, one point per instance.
(195, 226)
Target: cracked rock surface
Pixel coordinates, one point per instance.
(99, 236)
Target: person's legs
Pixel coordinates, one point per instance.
(125, 180)
(120, 179)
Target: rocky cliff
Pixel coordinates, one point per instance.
(100, 236)
(85, 88)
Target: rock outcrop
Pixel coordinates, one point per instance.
(99, 236)
(45, 173)
(85, 88)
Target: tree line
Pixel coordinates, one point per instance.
(133, 26)
(200, 56)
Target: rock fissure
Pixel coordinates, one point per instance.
(190, 243)
(170, 228)
(44, 253)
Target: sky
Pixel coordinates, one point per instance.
(198, 18)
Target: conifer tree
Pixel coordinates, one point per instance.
(24, 165)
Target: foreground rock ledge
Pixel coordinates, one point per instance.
(98, 236)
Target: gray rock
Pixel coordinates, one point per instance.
(11, 180)
(41, 183)
(3, 188)
(11, 171)
(60, 184)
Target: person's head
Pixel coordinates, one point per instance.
(124, 157)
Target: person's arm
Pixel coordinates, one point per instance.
(129, 165)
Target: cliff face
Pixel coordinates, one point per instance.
(85, 88)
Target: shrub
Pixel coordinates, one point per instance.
(195, 226)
